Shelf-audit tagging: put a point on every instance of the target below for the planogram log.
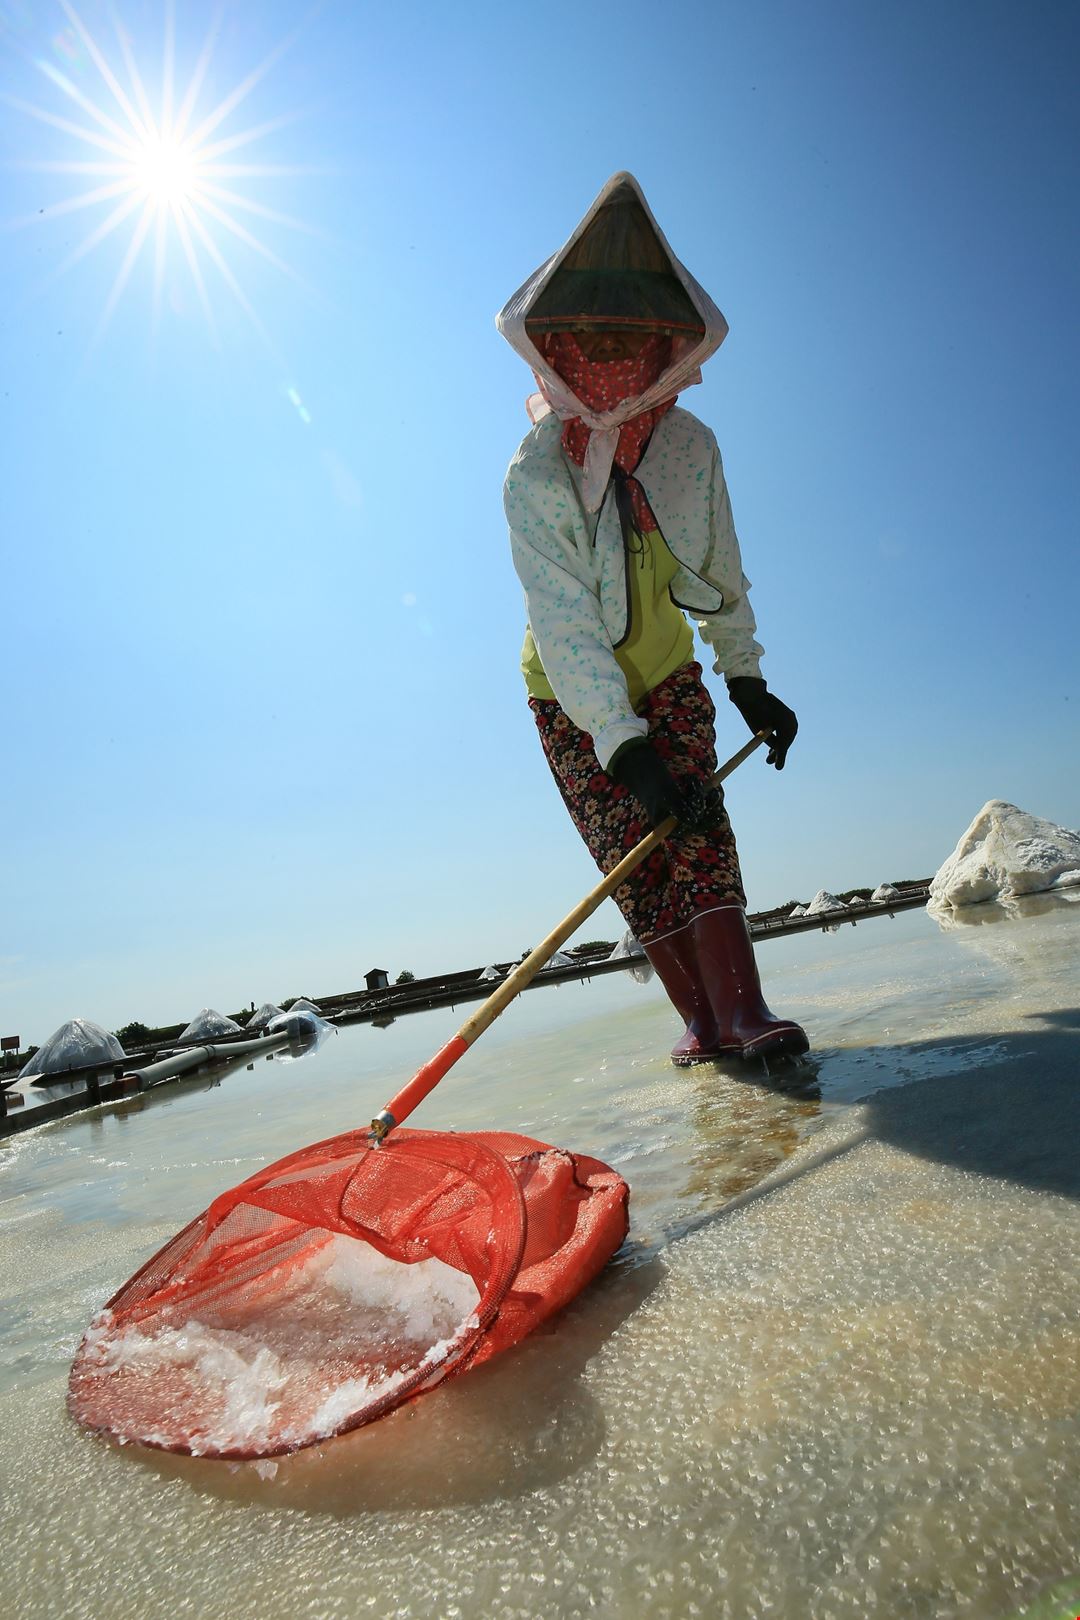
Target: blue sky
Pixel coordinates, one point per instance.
(264, 726)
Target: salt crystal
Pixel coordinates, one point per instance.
(823, 901)
(235, 1384)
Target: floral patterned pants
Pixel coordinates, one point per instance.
(690, 872)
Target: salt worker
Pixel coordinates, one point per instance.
(621, 526)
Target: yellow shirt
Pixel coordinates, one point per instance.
(658, 639)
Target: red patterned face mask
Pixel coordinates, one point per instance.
(603, 384)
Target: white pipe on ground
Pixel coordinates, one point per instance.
(195, 1056)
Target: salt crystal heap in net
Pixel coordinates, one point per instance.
(327, 1289)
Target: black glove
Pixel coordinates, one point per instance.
(764, 712)
(637, 766)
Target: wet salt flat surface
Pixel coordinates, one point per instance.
(855, 1393)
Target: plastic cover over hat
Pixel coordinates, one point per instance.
(617, 269)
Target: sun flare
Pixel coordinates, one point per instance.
(158, 164)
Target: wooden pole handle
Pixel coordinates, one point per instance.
(522, 976)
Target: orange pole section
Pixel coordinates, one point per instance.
(426, 1079)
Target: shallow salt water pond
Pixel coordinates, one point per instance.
(834, 1372)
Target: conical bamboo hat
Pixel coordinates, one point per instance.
(618, 272)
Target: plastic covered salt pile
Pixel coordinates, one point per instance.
(242, 1371)
(630, 948)
(797, 911)
(1006, 853)
(260, 1019)
(306, 1032)
(75, 1045)
(302, 1004)
(208, 1025)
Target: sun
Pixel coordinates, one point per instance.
(166, 172)
(159, 165)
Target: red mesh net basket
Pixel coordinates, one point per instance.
(338, 1283)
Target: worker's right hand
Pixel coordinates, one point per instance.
(637, 767)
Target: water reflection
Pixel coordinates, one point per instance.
(997, 911)
(745, 1124)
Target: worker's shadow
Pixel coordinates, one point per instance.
(516, 1425)
(1002, 1104)
(1015, 1114)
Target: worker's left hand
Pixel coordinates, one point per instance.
(763, 711)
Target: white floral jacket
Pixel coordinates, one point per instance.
(572, 566)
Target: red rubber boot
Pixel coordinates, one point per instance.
(744, 1025)
(674, 959)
